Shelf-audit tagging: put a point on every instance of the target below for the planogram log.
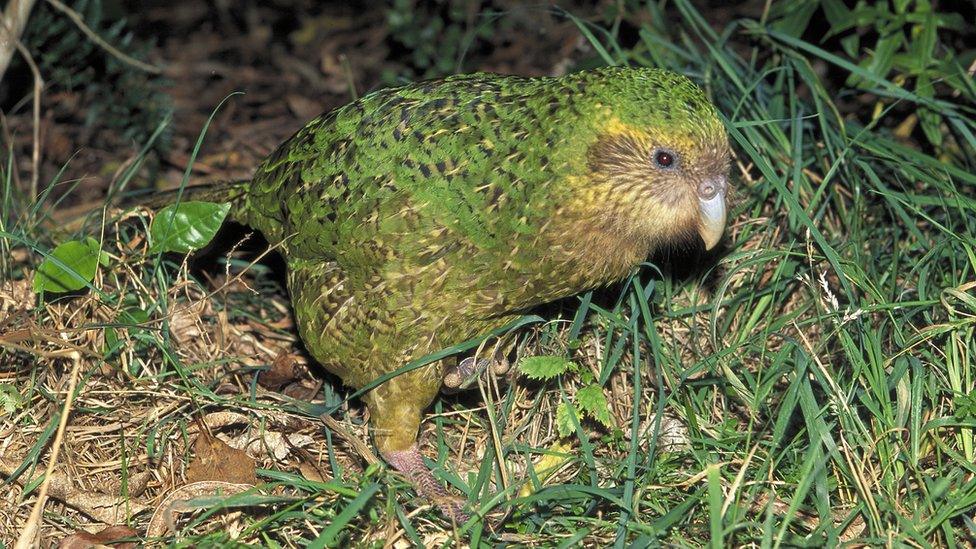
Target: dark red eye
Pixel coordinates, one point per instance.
(664, 159)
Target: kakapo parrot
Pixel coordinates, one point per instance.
(421, 216)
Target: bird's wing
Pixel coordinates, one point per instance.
(407, 174)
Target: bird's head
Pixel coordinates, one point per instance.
(658, 157)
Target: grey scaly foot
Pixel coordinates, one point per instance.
(411, 463)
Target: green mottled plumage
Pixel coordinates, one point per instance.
(421, 216)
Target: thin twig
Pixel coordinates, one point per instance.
(12, 25)
(31, 529)
(357, 443)
(35, 117)
(14, 20)
(76, 17)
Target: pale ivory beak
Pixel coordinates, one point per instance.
(711, 204)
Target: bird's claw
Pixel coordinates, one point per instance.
(464, 374)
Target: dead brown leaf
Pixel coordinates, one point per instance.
(311, 472)
(105, 508)
(103, 538)
(16, 295)
(284, 370)
(215, 460)
(181, 501)
(186, 322)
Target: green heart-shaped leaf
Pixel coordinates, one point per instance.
(69, 267)
(186, 226)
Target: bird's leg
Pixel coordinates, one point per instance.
(396, 409)
(411, 463)
(461, 375)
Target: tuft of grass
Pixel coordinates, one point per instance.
(810, 386)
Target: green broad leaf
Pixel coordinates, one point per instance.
(10, 399)
(111, 340)
(851, 44)
(186, 226)
(931, 125)
(796, 19)
(69, 267)
(128, 319)
(881, 60)
(930, 120)
(838, 15)
(924, 40)
(593, 402)
(564, 420)
(544, 367)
